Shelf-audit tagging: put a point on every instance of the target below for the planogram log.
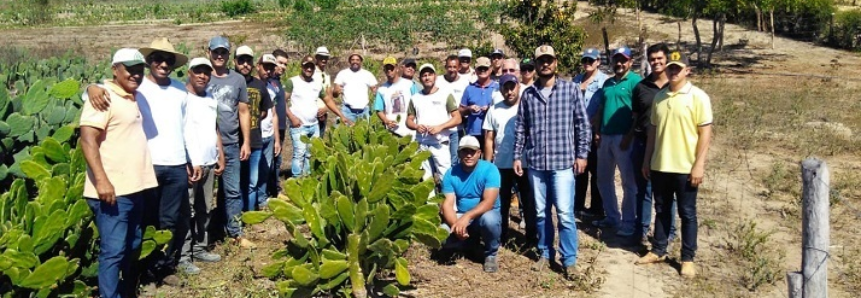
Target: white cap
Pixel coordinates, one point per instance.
(468, 142)
(244, 50)
(128, 57)
(198, 62)
(427, 66)
(322, 51)
(269, 58)
(464, 53)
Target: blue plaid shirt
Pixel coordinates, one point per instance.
(554, 131)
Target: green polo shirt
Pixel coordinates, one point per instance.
(616, 97)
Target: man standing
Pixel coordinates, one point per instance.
(408, 69)
(477, 98)
(119, 170)
(393, 98)
(454, 81)
(675, 159)
(614, 135)
(473, 187)
(302, 92)
(589, 83)
(281, 108)
(464, 57)
(431, 113)
(207, 156)
(641, 107)
(527, 74)
(496, 59)
(499, 148)
(266, 68)
(552, 135)
(354, 83)
(321, 56)
(260, 104)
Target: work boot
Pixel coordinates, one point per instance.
(688, 270)
(490, 265)
(541, 264)
(650, 258)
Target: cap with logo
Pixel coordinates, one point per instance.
(591, 53)
(408, 61)
(464, 53)
(678, 58)
(198, 62)
(482, 62)
(322, 51)
(624, 51)
(525, 62)
(269, 59)
(468, 142)
(428, 67)
(507, 78)
(244, 51)
(390, 61)
(219, 42)
(128, 57)
(497, 52)
(545, 50)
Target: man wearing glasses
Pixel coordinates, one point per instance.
(496, 60)
(590, 82)
(464, 57)
(527, 74)
(477, 98)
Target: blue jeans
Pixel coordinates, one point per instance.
(230, 183)
(644, 192)
(252, 172)
(168, 208)
(454, 139)
(301, 164)
(265, 170)
(488, 226)
(611, 155)
(555, 187)
(119, 228)
(355, 114)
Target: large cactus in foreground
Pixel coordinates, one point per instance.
(353, 218)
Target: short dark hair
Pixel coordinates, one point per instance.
(658, 47)
(451, 57)
(279, 53)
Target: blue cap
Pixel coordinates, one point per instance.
(219, 42)
(591, 53)
(497, 52)
(626, 51)
(507, 78)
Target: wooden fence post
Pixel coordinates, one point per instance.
(815, 230)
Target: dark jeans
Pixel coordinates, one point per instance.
(644, 193)
(119, 228)
(510, 181)
(274, 184)
(168, 208)
(454, 139)
(583, 181)
(665, 186)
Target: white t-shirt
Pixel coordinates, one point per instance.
(496, 97)
(163, 110)
(303, 98)
(431, 110)
(356, 85)
(200, 135)
(501, 119)
(267, 128)
(457, 88)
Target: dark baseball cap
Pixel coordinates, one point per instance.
(507, 78)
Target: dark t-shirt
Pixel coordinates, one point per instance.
(258, 98)
(279, 102)
(641, 103)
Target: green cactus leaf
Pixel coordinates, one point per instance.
(381, 187)
(147, 247)
(272, 270)
(313, 220)
(72, 114)
(427, 212)
(382, 246)
(285, 288)
(64, 133)
(299, 239)
(47, 274)
(401, 246)
(27, 137)
(361, 214)
(333, 255)
(45, 235)
(51, 190)
(66, 89)
(56, 115)
(255, 217)
(401, 273)
(59, 169)
(37, 99)
(294, 192)
(161, 237)
(17, 275)
(304, 276)
(391, 290)
(379, 222)
(345, 210)
(34, 170)
(286, 212)
(5, 129)
(332, 268)
(4, 172)
(21, 259)
(338, 280)
(19, 124)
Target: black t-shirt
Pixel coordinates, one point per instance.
(641, 103)
(258, 101)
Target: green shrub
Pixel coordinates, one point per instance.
(847, 30)
(354, 216)
(234, 8)
(543, 23)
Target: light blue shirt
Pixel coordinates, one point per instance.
(591, 90)
(468, 188)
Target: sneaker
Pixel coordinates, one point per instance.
(605, 223)
(650, 258)
(688, 270)
(206, 256)
(490, 265)
(188, 268)
(623, 232)
(541, 264)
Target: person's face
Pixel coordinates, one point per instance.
(390, 71)
(244, 64)
(510, 68)
(465, 63)
(482, 72)
(266, 70)
(428, 79)
(322, 61)
(219, 57)
(308, 69)
(199, 77)
(128, 77)
(282, 61)
(161, 64)
(511, 92)
(676, 73)
(527, 72)
(469, 157)
(496, 61)
(546, 65)
(658, 61)
(451, 67)
(590, 64)
(355, 62)
(621, 64)
(409, 70)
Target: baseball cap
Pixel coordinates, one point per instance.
(244, 51)
(678, 58)
(468, 142)
(545, 50)
(308, 59)
(482, 62)
(128, 57)
(408, 61)
(464, 53)
(507, 78)
(591, 53)
(624, 51)
(268, 59)
(390, 61)
(427, 66)
(497, 52)
(322, 51)
(198, 62)
(525, 62)
(219, 42)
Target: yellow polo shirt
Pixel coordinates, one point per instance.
(676, 117)
(122, 144)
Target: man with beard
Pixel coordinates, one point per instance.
(302, 92)
(552, 136)
(456, 83)
(613, 135)
(354, 83)
(393, 98)
(266, 68)
(260, 104)
(281, 109)
(590, 82)
(477, 98)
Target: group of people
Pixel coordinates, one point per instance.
(495, 128)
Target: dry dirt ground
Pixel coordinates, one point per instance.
(732, 193)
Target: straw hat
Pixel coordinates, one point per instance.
(164, 45)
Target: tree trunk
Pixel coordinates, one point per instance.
(715, 38)
(722, 26)
(771, 16)
(679, 41)
(758, 13)
(699, 46)
(606, 44)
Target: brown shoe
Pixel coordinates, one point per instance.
(172, 280)
(650, 258)
(688, 270)
(244, 243)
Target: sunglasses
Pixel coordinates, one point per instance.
(587, 60)
(482, 69)
(527, 69)
(244, 60)
(159, 58)
(468, 151)
(308, 65)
